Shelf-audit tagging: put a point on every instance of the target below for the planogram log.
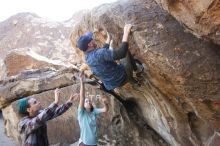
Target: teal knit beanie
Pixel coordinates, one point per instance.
(22, 105)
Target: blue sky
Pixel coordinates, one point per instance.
(58, 10)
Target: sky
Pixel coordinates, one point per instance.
(57, 10)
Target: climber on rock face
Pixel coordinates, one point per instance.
(33, 127)
(102, 60)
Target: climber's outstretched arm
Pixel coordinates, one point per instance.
(122, 51)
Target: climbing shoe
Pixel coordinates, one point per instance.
(140, 68)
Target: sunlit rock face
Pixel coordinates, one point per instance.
(179, 92)
(47, 38)
(200, 17)
(121, 125)
(19, 60)
(32, 82)
(30, 42)
(177, 95)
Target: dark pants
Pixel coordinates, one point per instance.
(129, 64)
(82, 144)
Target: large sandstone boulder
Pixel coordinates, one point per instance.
(47, 38)
(120, 126)
(33, 82)
(25, 59)
(180, 89)
(178, 94)
(3, 73)
(200, 17)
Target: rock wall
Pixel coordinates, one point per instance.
(200, 17)
(176, 101)
(180, 88)
(47, 38)
(26, 34)
(19, 60)
(33, 82)
(119, 126)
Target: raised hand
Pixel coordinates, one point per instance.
(111, 44)
(108, 39)
(73, 97)
(127, 30)
(82, 76)
(57, 94)
(103, 98)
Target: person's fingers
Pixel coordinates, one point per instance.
(82, 73)
(109, 36)
(74, 97)
(71, 98)
(128, 26)
(57, 91)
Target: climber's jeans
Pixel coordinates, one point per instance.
(129, 65)
(82, 144)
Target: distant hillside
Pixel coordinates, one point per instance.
(47, 38)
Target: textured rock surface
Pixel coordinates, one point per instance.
(33, 82)
(24, 59)
(201, 17)
(117, 127)
(179, 93)
(5, 140)
(47, 38)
